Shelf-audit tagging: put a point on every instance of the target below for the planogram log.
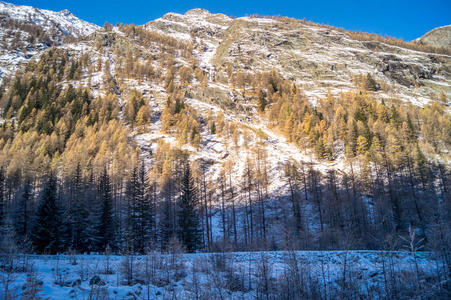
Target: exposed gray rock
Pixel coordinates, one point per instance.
(95, 280)
(438, 37)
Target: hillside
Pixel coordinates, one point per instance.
(27, 31)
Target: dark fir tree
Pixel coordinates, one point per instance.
(47, 228)
(189, 229)
(2, 196)
(77, 211)
(167, 216)
(141, 211)
(166, 224)
(89, 235)
(22, 214)
(106, 222)
(132, 197)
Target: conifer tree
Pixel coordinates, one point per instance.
(22, 216)
(106, 224)
(370, 84)
(77, 210)
(261, 101)
(362, 145)
(2, 196)
(141, 218)
(166, 225)
(132, 197)
(166, 220)
(89, 235)
(189, 229)
(143, 212)
(47, 228)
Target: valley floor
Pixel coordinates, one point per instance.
(236, 275)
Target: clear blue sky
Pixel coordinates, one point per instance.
(406, 19)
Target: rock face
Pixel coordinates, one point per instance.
(438, 37)
(319, 59)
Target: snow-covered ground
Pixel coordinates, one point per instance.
(236, 275)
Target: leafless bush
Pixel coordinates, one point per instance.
(72, 254)
(175, 263)
(32, 288)
(107, 269)
(82, 269)
(265, 282)
(129, 267)
(8, 276)
(59, 273)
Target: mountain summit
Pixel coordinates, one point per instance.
(27, 31)
(63, 20)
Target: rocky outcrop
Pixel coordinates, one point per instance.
(111, 39)
(227, 101)
(438, 37)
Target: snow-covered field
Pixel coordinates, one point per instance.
(235, 275)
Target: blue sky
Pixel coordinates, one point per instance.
(406, 19)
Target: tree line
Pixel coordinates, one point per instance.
(82, 214)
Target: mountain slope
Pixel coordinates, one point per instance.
(299, 129)
(27, 31)
(49, 20)
(319, 59)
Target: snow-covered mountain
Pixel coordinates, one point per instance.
(320, 61)
(47, 19)
(26, 31)
(318, 58)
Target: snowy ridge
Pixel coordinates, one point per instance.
(318, 59)
(64, 20)
(55, 24)
(207, 27)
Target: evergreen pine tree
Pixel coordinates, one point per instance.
(167, 217)
(145, 211)
(47, 228)
(141, 211)
(106, 224)
(189, 230)
(91, 222)
(2, 196)
(262, 101)
(132, 197)
(22, 216)
(166, 225)
(77, 212)
(370, 84)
